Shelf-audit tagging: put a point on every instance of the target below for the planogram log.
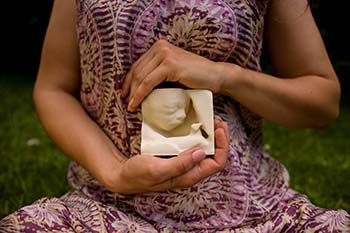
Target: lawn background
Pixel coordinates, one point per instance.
(318, 162)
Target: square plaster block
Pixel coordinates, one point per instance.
(175, 120)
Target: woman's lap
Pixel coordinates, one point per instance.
(74, 212)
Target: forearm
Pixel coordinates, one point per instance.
(72, 130)
(305, 101)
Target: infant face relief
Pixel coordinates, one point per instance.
(175, 120)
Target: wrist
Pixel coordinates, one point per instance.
(232, 79)
(111, 173)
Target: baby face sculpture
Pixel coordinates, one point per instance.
(175, 119)
(166, 109)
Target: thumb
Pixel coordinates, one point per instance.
(182, 163)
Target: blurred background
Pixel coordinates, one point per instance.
(32, 167)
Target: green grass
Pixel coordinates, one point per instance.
(26, 172)
(318, 162)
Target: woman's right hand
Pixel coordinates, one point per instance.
(144, 173)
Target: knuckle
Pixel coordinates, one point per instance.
(181, 166)
(168, 61)
(163, 47)
(161, 43)
(147, 82)
(137, 75)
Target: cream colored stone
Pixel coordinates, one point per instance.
(175, 119)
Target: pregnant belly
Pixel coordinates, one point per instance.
(220, 201)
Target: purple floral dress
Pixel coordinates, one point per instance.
(251, 194)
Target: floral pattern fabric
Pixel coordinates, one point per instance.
(250, 194)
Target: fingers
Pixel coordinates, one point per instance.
(204, 167)
(222, 140)
(144, 173)
(187, 160)
(145, 86)
(142, 66)
(180, 164)
(141, 79)
(222, 124)
(210, 166)
(146, 73)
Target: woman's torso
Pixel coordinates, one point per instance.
(114, 34)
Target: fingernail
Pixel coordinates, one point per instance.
(198, 155)
(130, 104)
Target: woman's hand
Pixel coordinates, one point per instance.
(166, 62)
(144, 173)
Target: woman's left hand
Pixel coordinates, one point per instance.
(166, 62)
